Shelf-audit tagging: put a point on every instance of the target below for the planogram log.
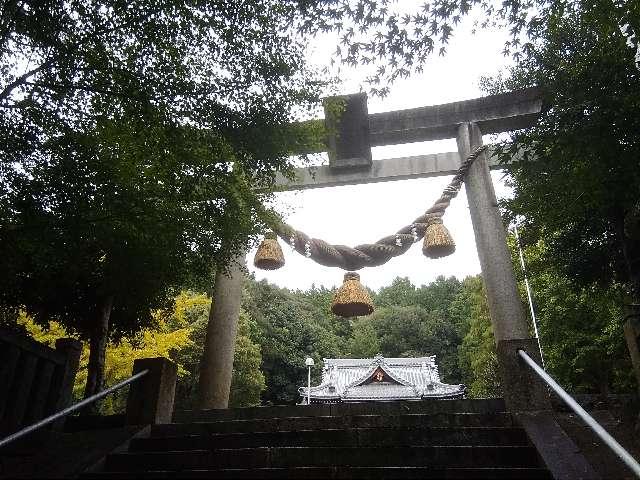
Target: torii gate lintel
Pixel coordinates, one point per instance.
(351, 136)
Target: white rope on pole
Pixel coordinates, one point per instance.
(529, 296)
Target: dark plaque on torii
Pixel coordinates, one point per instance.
(346, 120)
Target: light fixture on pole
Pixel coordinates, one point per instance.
(309, 363)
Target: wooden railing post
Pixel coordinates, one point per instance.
(72, 350)
(64, 376)
(151, 397)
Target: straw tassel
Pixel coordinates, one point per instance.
(438, 242)
(351, 299)
(269, 254)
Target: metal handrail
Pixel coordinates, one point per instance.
(71, 409)
(582, 413)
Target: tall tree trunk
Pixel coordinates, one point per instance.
(97, 351)
(631, 253)
(603, 384)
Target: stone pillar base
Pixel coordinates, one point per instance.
(150, 399)
(523, 390)
(64, 378)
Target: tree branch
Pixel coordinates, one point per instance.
(22, 79)
(84, 88)
(97, 34)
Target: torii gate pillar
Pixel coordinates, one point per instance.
(216, 365)
(521, 389)
(507, 315)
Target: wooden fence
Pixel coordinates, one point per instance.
(35, 380)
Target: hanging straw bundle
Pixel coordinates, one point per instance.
(351, 299)
(269, 254)
(438, 242)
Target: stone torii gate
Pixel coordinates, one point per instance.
(350, 163)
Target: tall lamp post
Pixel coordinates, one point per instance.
(309, 363)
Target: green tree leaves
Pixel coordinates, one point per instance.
(132, 136)
(581, 329)
(477, 353)
(580, 179)
(364, 343)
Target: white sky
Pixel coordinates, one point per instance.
(351, 215)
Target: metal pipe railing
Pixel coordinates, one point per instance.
(71, 409)
(582, 413)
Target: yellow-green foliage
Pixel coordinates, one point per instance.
(159, 341)
(185, 302)
(334, 107)
(171, 336)
(48, 336)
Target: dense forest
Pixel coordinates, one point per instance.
(581, 337)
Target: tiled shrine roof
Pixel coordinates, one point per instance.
(380, 379)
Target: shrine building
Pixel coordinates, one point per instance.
(380, 379)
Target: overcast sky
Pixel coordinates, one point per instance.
(351, 215)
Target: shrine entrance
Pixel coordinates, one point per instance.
(350, 136)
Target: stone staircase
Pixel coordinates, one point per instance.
(449, 439)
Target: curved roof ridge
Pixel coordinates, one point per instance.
(368, 361)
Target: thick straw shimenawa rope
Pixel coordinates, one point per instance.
(379, 253)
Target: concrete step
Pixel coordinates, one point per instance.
(287, 457)
(340, 473)
(289, 424)
(490, 405)
(363, 437)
